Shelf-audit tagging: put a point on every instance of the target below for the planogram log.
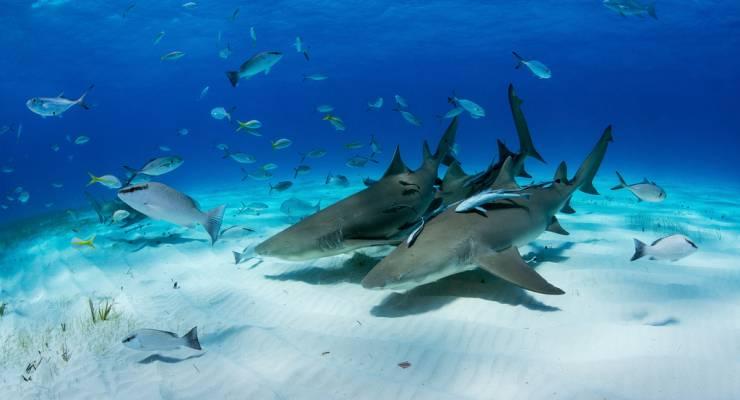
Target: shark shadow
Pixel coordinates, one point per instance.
(142, 242)
(351, 271)
(168, 360)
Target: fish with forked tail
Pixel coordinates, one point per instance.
(156, 340)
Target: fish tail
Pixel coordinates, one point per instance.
(233, 77)
(214, 219)
(191, 339)
(622, 183)
(651, 10)
(81, 100)
(639, 250)
(519, 60)
(93, 179)
(237, 257)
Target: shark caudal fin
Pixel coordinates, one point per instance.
(622, 182)
(444, 147)
(233, 77)
(583, 179)
(522, 130)
(190, 339)
(214, 218)
(639, 250)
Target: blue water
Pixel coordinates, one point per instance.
(669, 86)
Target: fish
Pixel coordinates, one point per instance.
(235, 14)
(120, 215)
(537, 68)
(376, 104)
(378, 215)
(183, 132)
(55, 148)
(316, 153)
(359, 161)
(297, 208)
(324, 108)
(475, 110)
(204, 92)
(220, 113)
(672, 247)
(109, 181)
(173, 55)
(156, 340)
(301, 170)
(241, 158)
(80, 140)
(354, 145)
(225, 52)
(644, 191)
(401, 102)
(165, 148)
(189, 5)
(298, 44)
(250, 126)
(159, 37)
(281, 186)
(89, 242)
(337, 180)
(335, 121)
(57, 185)
(157, 166)
(453, 112)
(454, 242)
(161, 202)
(489, 196)
(23, 197)
(269, 167)
(7, 170)
(409, 117)
(258, 63)
(258, 175)
(315, 77)
(281, 143)
(631, 7)
(374, 146)
(253, 34)
(256, 207)
(55, 106)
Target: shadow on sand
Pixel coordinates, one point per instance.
(168, 360)
(154, 242)
(352, 271)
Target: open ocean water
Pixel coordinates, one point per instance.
(232, 166)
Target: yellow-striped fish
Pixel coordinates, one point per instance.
(86, 242)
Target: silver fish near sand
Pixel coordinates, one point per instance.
(56, 106)
(281, 186)
(673, 248)
(409, 117)
(316, 153)
(120, 215)
(359, 161)
(301, 170)
(161, 202)
(627, 8)
(644, 191)
(475, 110)
(298, 208)
(376, 104)
(537, 68)
(156, 340)
(260, 62)
(337, 180)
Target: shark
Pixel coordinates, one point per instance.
(381, 214)
(457, 185)
(454, 242)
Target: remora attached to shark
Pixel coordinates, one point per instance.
(454, 242)
(379, 215)
(457, 185)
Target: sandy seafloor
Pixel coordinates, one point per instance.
(285, 330)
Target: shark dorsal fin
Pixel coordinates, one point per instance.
(454, 172)
(645, 180)
(561, 173)
(505, 178)
(425, 151)
(397, 165)
(503, 151)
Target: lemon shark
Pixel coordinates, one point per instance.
(381, 214)
(454, 242)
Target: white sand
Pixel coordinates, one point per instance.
(641, 330)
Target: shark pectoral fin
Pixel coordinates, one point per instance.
(567, 209)
(509, 265)
(555, 227)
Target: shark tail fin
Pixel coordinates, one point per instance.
(214, 219)
(622, 183)
(81, 101)
(651, 10)
(444, 147)
(639, 250)
(191, 339)
(583, 179)
(233, 77)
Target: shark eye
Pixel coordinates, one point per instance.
(558, 181)
(128, 339)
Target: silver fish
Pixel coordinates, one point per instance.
(56, 106)
(156, 340)
(260, 62)
(644, 191)
(673, 247)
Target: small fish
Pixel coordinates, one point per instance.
(161, 202)
(475, 110)
(453, 113)
(673, 247)
(404, 364)
(374, 146)
(401, 102)
(354, 145)
(165, 148)
(158, 166)
(337, 180)
(24, 196)
(156, 340)
(189, 5)
(159, 37)
(253, 34)
(183, 132)
(120, 215)
(173, 55)
(315, 77)
(225, 52)
(281, 186)
(241, 158)
(57, 185)
(54, 106)
(258, 175)
(49, 205)
(631, 7)
(301, 170)
(4, 129)
(55, 148)
(489, 196)
(324, 108)
(644, 191)
(409, 117)
(204, 92)
(90, 242)
(256, 207)
(537, 68)
(298, 44)
(317, 153)
(109, 181)
(335, 121)
(258, 63)
(249, 125)
(220, 113)
(359, 161)
(222, 146)
(376, 104)
(235, 14)
(81, 140)
(298, 208)
(281, 143)
(269, 167)
(7, 170)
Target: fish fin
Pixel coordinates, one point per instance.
(639, 250)
(81, 100)
(233, 77)
(93, 179)
(526, 146)
(523, 173)
(561, 174)
(481, 210)
(519, 60)
(426, 153)
(237, 257)
(503, 151)
(651, 10)
(454, 172)
(191, 339)
(587, 170)
(509, 265)
(622, 183)
(555, 227)
(306, 56)
(397, 165)
(505, 178)
(214, 218)
(567, 209)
